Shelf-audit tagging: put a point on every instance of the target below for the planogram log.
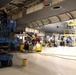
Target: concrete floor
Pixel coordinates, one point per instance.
(40, 64)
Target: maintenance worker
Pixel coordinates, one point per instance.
(62, 43)
(26, 46)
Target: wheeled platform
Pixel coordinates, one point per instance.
(5, 60)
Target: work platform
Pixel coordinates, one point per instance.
(43, 63)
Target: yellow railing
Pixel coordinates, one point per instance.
(69, 32)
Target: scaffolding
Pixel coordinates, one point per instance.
(71, 31)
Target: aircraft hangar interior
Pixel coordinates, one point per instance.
(38, 37)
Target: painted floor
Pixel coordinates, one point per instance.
(39, 64)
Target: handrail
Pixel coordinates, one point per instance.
(69, 31)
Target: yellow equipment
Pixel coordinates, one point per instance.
(38, 47)
(21, 47)
(25, 62)
(30, 47)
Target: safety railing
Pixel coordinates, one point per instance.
(69, 32)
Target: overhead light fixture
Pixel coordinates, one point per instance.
(56, 7)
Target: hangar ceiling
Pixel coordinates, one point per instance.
(61, 11)
(36, 13)
(4, 2)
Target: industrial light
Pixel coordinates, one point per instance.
(56, 7)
